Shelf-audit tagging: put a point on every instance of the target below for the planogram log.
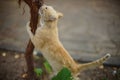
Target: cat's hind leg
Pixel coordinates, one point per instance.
(94, 63)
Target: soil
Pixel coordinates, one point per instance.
(13, 67)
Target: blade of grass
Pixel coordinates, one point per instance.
(38, 71)
(47, 67)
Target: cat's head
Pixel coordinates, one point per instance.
(48, 13)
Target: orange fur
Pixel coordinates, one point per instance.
(47, 41)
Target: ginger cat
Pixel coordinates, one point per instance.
(47, 41)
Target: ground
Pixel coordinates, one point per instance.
(13, 67)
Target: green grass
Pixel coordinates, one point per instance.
(38, 71)
(47, 67)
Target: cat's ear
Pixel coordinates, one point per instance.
(59, 14)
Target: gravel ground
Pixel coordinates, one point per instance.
(13, 67)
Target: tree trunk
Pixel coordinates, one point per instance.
(34, 6)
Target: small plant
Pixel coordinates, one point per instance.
(38, 71)
(64, 74)
(47, 67)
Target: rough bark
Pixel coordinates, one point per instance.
(34, 6)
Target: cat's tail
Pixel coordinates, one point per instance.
(94, 64)
(29, 30)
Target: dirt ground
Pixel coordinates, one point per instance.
(13, 67)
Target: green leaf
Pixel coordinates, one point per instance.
(64, 74)
(47, 67)
(38, 71)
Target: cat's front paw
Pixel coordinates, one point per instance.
(28, 25)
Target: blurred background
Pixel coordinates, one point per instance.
(88, 30)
